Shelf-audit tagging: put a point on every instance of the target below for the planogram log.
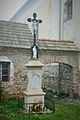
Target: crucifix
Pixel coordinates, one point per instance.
(35, 24)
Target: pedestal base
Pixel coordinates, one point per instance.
(32, 98)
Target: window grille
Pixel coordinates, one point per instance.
(5, 71)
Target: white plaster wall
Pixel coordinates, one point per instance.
(50, 26)
(43, 13)
(9, 7)
(49, 29)
(71, 27)
(47, 10)
(68, 28)
(54, 19)
(76, 21)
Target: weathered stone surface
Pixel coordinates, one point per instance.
(20, 57)
(57, 77)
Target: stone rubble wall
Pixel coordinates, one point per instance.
(20, 57)
(57, 77)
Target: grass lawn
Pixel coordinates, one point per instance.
(63, 111)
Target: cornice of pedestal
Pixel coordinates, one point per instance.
(34, 63)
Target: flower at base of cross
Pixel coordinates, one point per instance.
(36, 107)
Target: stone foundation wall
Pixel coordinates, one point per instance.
(57, 77)
(19, 57)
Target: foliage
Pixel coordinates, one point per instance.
(9, 111)
(63, 95)
(20, 102)
(49, 100)
(50, 105)
(51, 94)
(0, 91)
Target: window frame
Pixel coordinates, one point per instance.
(2, 69)
(68, 10)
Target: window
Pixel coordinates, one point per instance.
(68, 10)
(4, 71)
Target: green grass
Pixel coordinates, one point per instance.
(63, 111)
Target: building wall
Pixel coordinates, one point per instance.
(49, 29)
(43, 13)
(9, 7)
(71, 27)
(53, 26)
(45, 9)
(19, 57)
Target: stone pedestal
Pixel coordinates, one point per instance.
(34, 94)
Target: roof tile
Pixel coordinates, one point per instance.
(18, 35)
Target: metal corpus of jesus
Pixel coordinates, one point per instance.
(35, 25)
